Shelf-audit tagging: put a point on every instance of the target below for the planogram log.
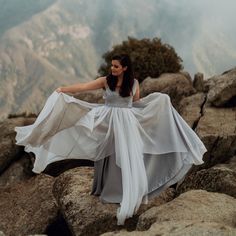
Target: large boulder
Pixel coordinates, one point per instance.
(19, 170)
(176, 85)
(28, 207)
(196, 212)
(181, 228)
(85, 214)
(221, 88)
(190, 108)
(215, 126)
(9, 150)
(194, 205)
(220, 178)
(217, 129)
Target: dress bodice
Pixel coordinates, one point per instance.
(113, 98)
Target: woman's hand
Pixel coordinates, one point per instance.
(59, 90)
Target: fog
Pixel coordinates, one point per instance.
(204, 26)
(202, 32)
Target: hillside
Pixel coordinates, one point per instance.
(49, 43)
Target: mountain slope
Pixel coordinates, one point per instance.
(49, 43)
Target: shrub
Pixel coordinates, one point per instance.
(149, 57)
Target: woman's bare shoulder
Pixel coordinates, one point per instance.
(102, 80)
(136, 81)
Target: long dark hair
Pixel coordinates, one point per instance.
(128, 80)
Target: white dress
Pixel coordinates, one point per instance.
(139, 148)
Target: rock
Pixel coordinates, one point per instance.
(166, 196)
(181, 228)
(194, 205)
(231, 163)
(217, 130)
(18, 171)
(189, 227)
(198, 82)
(84, 213)
(9, 150)
(28, 207)
(187, 75)
(190, 108)
(222, 88)
(176, 86)
(220, 178)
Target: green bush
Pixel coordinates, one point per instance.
(149, 57)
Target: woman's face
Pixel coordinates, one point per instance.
(116, 68)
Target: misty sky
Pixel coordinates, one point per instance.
(213, 14)
(195, 17)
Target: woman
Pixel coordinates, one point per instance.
(140, 146)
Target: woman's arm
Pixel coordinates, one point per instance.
(79, 87)
(136, 96)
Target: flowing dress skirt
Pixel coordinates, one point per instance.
(138, 151)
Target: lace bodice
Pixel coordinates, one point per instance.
(113, 98)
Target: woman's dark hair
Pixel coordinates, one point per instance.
(128, 80)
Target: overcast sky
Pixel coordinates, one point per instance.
(214, 17)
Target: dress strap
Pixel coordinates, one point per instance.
(134, 87)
